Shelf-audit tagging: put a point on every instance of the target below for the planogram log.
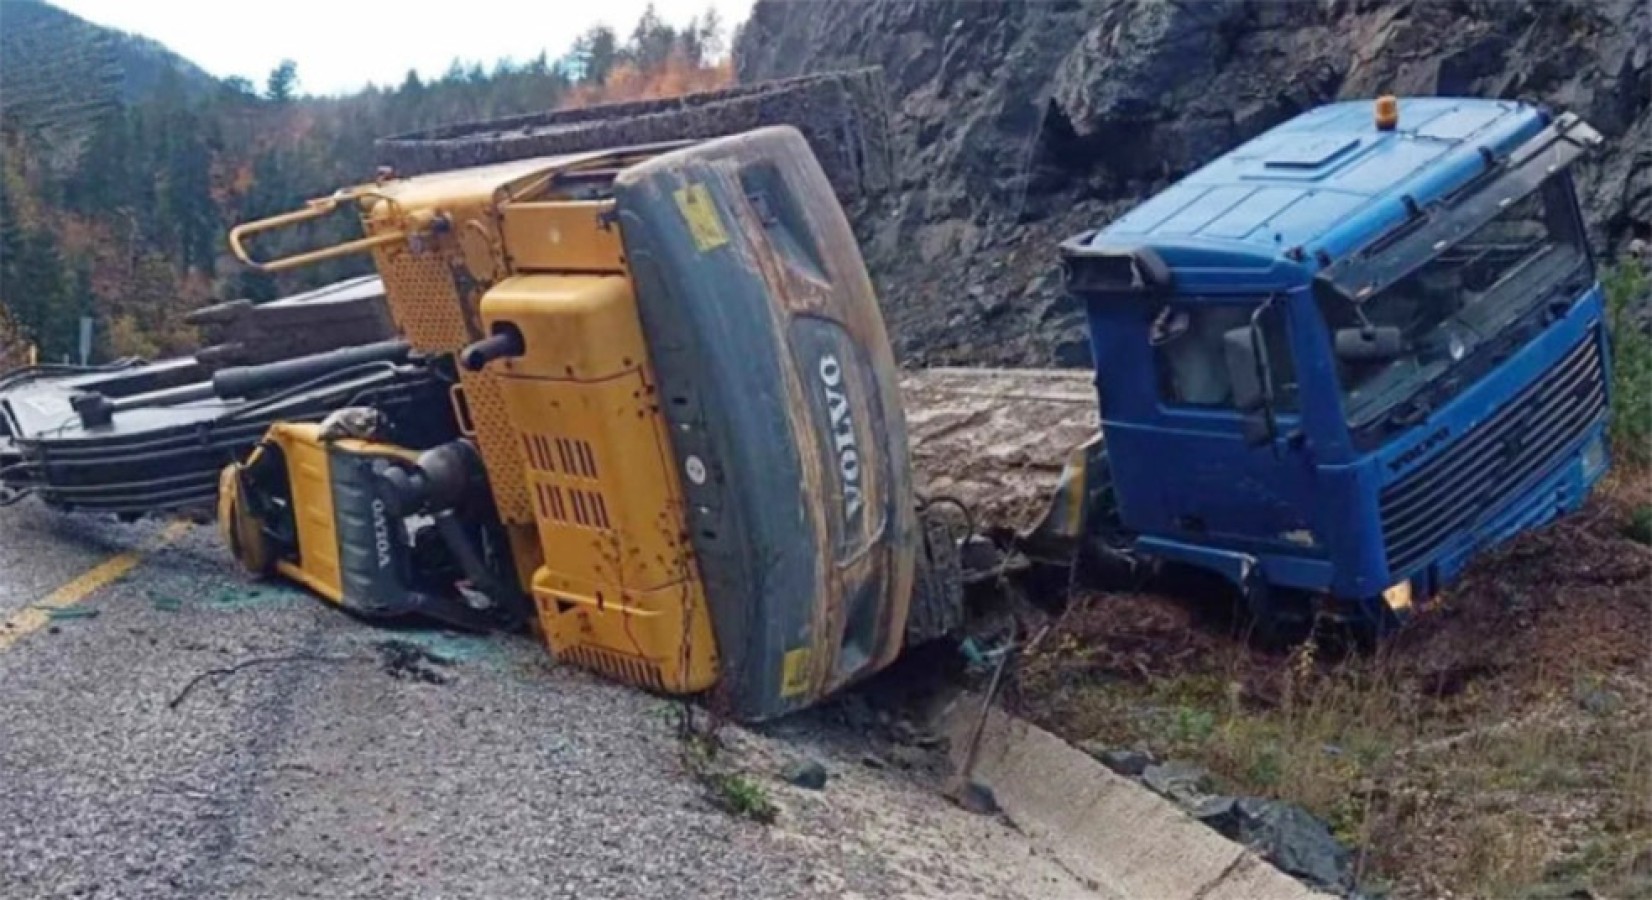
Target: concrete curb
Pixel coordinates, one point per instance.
(1122, 838)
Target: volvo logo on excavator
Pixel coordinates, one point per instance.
(381, 534)
(843, 434)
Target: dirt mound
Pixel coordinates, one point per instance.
(1569, 600)
(1494, 747)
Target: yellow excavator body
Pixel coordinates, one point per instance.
(740, 518)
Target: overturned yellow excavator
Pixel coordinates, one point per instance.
(674, 445)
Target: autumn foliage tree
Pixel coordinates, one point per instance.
(674, 76)
(133, 234)
(657, 61)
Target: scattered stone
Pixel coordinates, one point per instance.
(1073, 354)
(910, 756)
(874, 761)
(806, 773)
(909, 733)
(975, 797)
(932, 741)
(1183, 782)
(406, 661)
(857, 714)
(1129, 763)
(1294, 840)
(1598, 701)
(1220, 814)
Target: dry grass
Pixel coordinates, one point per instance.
(1499, 750)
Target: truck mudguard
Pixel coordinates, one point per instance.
(780, 387)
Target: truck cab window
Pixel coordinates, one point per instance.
(1460, 299)
(1188, 351)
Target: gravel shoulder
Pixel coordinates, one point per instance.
(361, 762)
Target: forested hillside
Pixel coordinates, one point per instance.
(116, 205)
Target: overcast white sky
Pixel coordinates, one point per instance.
(341, 45)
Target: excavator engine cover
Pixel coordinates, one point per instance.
(777, 380)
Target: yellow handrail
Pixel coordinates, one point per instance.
(315, 209)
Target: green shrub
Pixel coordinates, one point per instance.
(740, 795)
(1626, 285)
(1639, 528)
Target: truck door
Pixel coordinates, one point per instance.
(1213, 475)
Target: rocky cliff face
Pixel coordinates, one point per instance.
(1019, 124)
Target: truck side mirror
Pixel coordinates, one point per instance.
(1250, 375)
(1370, 343)
(1239, 352)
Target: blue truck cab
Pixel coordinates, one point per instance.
(1342, 359)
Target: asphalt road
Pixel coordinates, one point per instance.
(438, 766)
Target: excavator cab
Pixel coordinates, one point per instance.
(670, 379)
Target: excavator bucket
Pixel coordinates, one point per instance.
(779, 384)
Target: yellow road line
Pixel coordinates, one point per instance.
(38, 615)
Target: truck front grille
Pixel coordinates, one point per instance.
(1458, 487)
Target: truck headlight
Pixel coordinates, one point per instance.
(1398, 597)
(1594, 457)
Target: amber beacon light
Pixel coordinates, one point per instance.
(1387, 113)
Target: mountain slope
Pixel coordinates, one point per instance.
(122, 166)
(61, 76)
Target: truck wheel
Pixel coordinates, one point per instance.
(843, 115)
(1280, 617)
(240, 529)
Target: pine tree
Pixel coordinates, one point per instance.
(710, 35)
(652, 40)
(282, 84)
(599, 48)
(143, 214)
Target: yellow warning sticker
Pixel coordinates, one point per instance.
(700, 212)
(794, 672)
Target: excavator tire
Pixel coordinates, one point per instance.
(843, 115)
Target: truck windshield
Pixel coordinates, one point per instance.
(1461, 298)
